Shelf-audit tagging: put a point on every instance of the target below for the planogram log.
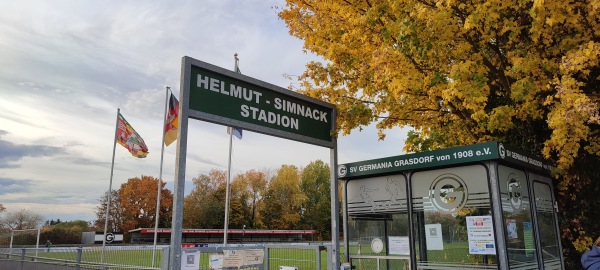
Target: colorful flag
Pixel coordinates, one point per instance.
(236, 132)
(130, 139)
(172, 123)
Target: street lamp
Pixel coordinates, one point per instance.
(243, 232)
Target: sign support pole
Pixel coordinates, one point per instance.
(335, 209)
(179, 188)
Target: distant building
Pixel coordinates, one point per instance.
(215, 236)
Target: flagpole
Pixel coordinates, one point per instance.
(162, 153)
(112, 166)
(227, 187)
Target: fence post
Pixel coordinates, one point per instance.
(318, 253)
(166, 252)
(22, 258)
(329, 255)
(79, 253)
(263, 265)
(267, 250)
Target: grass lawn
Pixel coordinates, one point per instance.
(120, 257)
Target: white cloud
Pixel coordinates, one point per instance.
(71, 64)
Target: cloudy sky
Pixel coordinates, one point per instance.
(68, 65)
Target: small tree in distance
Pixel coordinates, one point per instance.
(115, 220)
(21, 220)
(134, 206)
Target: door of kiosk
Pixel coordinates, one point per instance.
(378, 224)
(473, 207)
(547, 223)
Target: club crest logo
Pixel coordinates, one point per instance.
(448, 193)
(515, 192)
(342, 170)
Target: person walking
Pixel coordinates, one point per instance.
(48, 245)
(590, 260)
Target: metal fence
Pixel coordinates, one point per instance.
(296, 256)
(113, 258)
(363, 262)
(276, 256)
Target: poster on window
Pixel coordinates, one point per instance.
(528, 239)
(433, 237)
(399, 245)
(480, 232)
(511, 229)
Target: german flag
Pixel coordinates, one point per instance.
(172, 123)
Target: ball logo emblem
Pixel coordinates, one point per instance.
(110, 237)
(515, 192)
(448, 193)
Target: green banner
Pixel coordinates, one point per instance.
(233, 98)
(442, 157)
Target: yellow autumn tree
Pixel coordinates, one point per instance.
(283, 199)
(460, 72)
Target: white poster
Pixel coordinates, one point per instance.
(433, 236)
(254, 257)
(480, 232)
(233, 258)
(216, 262)
(190, 259)
(399, 245)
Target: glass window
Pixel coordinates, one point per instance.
(516, 211)
(444, 201)
(378, 222)
(547, 225)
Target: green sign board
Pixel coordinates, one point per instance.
(213, 94)
(442, 157)
(222, 96)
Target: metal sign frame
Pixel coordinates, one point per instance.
(229, 98)
(211, 94)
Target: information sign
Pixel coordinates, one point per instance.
(253, 257)
(399, 245)
(480, 232)
(221, 96)
(216, 261)
(433, 236)
(233, 258)
(442, 157)
(225, 97)
(190, 259)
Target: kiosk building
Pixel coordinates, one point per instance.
(481, 206)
